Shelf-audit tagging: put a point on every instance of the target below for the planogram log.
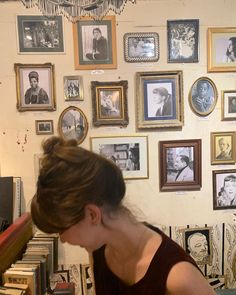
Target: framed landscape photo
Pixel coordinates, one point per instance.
(95, 43)
(35, 87)
(110, 103)
(180, 164)
(73, 88)
(44, 127)
(183, 40)
(141, 47)
(129, 153)
(40, 34)
(228, 105)
(159, 99)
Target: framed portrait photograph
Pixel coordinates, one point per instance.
(159, 99)
(110, 103)
(180, 164)
(59, 276)
(87, 279)
(228, 105)
(73, 88)
(73, 124)
(40, 34)
(223, 149)
(95, 43)
(183, 40)
(203, 96)
(141, 47)
(129, 153)
(224, 189)
(221, 49)
(44, 127)
(35, 87)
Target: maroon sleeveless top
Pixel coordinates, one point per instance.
(153, 282)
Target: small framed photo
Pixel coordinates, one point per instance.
(141, 47)
(223, 148)
(129, 153)
(35, 87)
(203, 96)
(40, 34)
(73, 88)
(59, 276)
(228, 105)
(183, 40)
(159, 99)
(73, 124)
(110, 103)
(87, 279)
(44, 127)
(180, 165)
(224, 189)
(95, 43)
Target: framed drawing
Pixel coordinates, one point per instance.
(159, 99)
(59, 276)
(87, 279)
(110, 103)
(203, 96)
(73, 124)
(183, 40)
(228, 105)
(40, 34)
(223, 149)
(141, 47)
(221, 49)
(95, 43)
(129, 153)
(73, 88)
(44, 127)
(180, 165)
(224, 189)
(35, 87)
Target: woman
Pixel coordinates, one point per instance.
(227, 194)
(35, 94)
(163, 101)
(230, 55)
(79, 195)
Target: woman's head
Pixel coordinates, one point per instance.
(33, 79)
(232, 46)
(160, 94)
(230, 186)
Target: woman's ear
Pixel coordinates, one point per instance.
(93, 213)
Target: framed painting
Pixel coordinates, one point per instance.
(95, 43)
(87, 279)
(35, 87)
(224, 189)
(228, 105)
(44, 127)
(73, 124)
(221, 49)
(141, 47)
(180, 164)
(159, 99)
(223, 149)
(110, 103)
(40, 34)
(183, 40)
(129, 153)
(59, 276)
(73, 88)
(203, 96)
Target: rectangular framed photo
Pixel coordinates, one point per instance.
(141, 47)
(87, 279)
(129, 153)
(183, 40)
(73, 88)
(159, 99)
(110, 103)
(35, 87)
(59, 276)
(180, 163)
(40, 34)
(224, 189)
(44, 127)
(95, 43)
(221, 52)
(228, 105)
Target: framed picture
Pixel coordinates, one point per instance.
(180, 165)
(40, 34)
(73, 88)
(159, 99)
(95, 43)
(44, 127)
(228, 105)
(224, 189)
(141, 47)
(73, 124)
(183, 40)
(59, 276)
(129, 153)
(87, 279)
(221, 49)
(35, 87)
(110, 103)
(203, 96)
(223, 148)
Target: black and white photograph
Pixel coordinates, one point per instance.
(223, 147)
(228, 105)
(73, 88)
(87, 279)
(44, 127)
